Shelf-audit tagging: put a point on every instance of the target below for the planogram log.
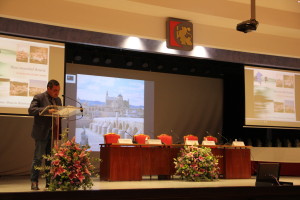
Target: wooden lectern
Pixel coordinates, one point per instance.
(61, 112)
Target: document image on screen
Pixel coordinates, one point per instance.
(24, 71)
(108, 101)
(271, 97)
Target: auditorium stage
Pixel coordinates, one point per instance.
(18, 187)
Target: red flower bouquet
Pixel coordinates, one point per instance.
(71, 168)
(197, 164)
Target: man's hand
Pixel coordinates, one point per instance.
(52, 110)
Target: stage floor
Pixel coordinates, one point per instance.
(22, 183)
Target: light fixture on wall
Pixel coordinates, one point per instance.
(128, 62)
(251, 24)
(145, 65)
(107, 60)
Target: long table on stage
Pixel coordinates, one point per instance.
(129, 162)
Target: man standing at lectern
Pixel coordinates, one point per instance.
(42, 128)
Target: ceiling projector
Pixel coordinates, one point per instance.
(247, 26)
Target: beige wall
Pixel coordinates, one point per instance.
(275, 154)
(214, 23)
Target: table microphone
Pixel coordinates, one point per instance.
(227, 142)
(207, 133)
(133, 141)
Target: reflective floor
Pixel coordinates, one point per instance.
(22, 183)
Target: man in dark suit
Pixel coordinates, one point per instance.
(42, 127)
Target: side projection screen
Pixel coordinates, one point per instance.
(272, 97)
(26, 65)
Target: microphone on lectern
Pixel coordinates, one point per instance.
(81, 109)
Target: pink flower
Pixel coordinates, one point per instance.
(68, 143)
(82, 154)
(80, 177)
(71, 176)
(68, 158)
(77, 164)
(87, 171)
(60, 153)
(55, 162)
(59, 170)
(75, 154)
(77, 148)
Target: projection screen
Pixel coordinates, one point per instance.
(272, 97)
(26, 65)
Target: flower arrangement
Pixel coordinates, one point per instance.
(71, 167)
(197, 164)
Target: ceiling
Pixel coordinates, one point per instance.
(214, 22)
(276, 17)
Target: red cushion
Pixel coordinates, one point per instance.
(190, 137)
(166, 139)
(111, 138)
(141, 139)
(211, 138)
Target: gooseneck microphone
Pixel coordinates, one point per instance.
(227, 142)
(133, 141)
(81, 109)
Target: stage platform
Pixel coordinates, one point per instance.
(18, 187)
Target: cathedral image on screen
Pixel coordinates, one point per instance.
(115, 106)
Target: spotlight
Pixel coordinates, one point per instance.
(96, 60)
(145, 65)
(129, 63)
(175, 69)
(192, 70)
(108, 61)
(160, 67)
(77, 58)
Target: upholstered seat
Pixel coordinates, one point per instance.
(166, 139)
(110, 138)
(211, 138)
(141, 138)
(193, 140)
(190, 137)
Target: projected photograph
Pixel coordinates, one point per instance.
(278, 107)
(22, 53)
(36, 87)
(111, 105)
(38, 55)
(289, 106)
(18, 88)
(288, 81)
